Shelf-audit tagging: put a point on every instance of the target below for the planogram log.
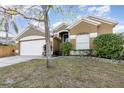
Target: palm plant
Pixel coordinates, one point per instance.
(6, 21)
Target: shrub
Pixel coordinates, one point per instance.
(108, 46)
(65, 48)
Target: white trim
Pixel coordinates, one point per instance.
(16, 42)
(84, 20)
(101, 19)
(93, 35)
(72, 36)
(62, 31)
(91, 21)
(26, 29)
(57, 33)
(60, 25)
(32, 37)
(69, 36)
(16, 51)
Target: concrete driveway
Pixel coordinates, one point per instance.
(6, 61)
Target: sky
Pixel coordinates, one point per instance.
(70, 14)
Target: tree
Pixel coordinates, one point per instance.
(39, 14)
(10, 12)
(47, 33)
(46, 9)
(5, 21)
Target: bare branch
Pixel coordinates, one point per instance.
(31, 18)
(15, 12)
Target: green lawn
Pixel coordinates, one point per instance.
(64, 72)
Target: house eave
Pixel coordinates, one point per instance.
(60, 26)
(102, 19)
(84, 20)
(26, 29)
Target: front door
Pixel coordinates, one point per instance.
(65, 38)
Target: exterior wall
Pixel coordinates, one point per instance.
(105, 28)
(86, 28)
(31, 32)
(73, 42)
(91, 42)
(56, 44)
(82, 28)
(17, 48)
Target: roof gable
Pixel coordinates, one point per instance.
(89, 21)
(101, 19)
(60, 27)
(30, 31)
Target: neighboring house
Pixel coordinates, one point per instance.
(3, 40)
(80, 35)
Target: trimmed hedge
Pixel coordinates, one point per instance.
(65, 48)
(108, 46)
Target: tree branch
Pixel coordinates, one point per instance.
(19, 13)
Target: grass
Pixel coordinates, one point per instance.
(64, 72)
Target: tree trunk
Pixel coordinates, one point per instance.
(6, 37)
(47, 34)
(6, 26)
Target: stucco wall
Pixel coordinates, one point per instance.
(17, 48)
(82, 28)
(56, 44)
(105, 28)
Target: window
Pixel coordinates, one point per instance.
(82, 41)
(65, 38)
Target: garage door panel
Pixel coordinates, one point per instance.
(33, 48)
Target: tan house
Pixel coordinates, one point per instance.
(80, 34)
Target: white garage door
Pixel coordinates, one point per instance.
(32, 48)
(82, 41)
